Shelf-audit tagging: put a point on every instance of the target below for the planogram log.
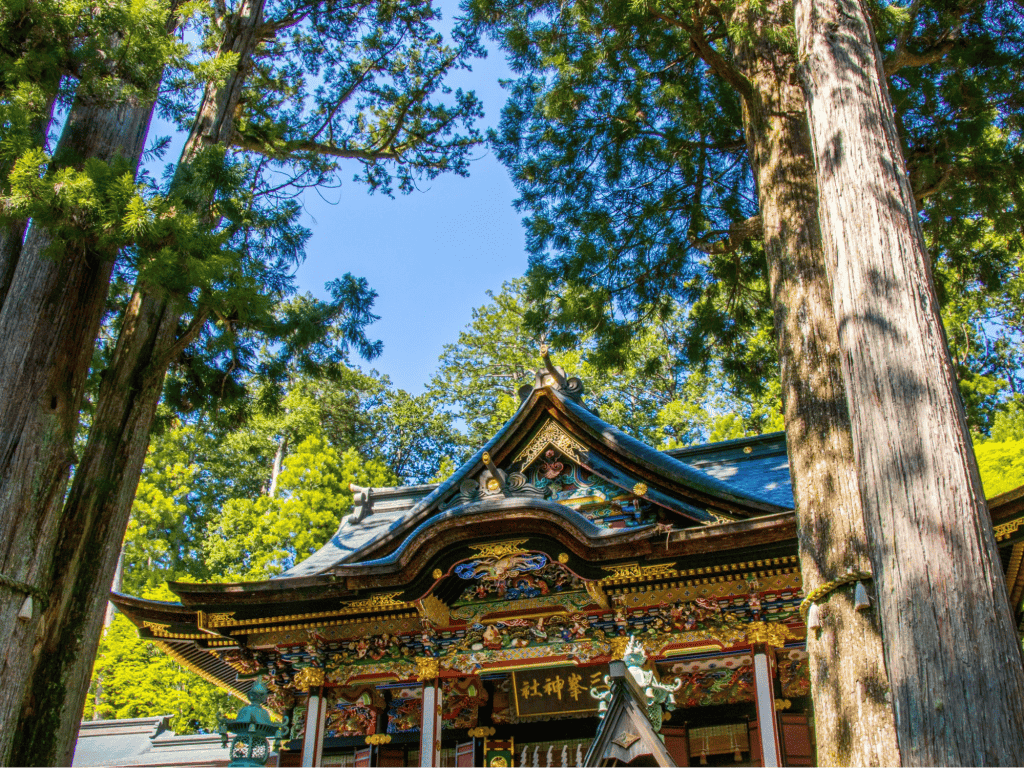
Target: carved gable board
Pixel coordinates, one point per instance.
(625, 732)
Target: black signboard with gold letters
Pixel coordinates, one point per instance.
(557, 691)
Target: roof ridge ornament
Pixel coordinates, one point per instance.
(553, 376)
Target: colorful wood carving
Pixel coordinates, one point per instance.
(794, 672)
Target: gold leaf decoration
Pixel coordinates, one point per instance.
(427, 668)
(500, 549)
(309, 677)
(434, 610)
(640, 489)
(637, 571)
(563, 558)
(551, 434)
(438, 573)
(618, 645)
(597, 594)
(375, 602)
(772, 634)
(211, 620)
(1006, 530)
(719, 518)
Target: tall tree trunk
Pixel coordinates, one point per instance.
(854, 719)
(275, 471)
(92, 526)
(99, 504)
(952, 653)
(49, 323)
(12, 237)
(12, 234)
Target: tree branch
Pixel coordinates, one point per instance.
(281, 150)
(901, 57)
(187, 337)
(751, 229)
(947, 174)
(703, 48)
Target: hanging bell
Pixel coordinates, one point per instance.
(861, 601)
(703, 758)
(737, 755)
(25, 614)
(814, 617)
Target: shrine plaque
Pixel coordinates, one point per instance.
(557, 690)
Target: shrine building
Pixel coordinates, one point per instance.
(565, 572)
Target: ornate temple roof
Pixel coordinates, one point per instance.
(745, 482)
(556, 479)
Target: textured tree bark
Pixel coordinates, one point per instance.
(49, 323)
(953, 657)
(99, 503)
(854, 719)
(12, 237)
(275, 472)
(92, 526)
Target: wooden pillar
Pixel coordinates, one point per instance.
(764, 695)
(313, 740)
(430, 724)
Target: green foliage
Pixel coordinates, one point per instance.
(135, 678)
(1001, 464)
(210, 507)
(615, 101)
(257, 539)
(57, 51)
(1009, 423)
(359, 81)
(654, 395)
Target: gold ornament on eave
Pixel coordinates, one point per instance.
(428, 669)
(309, 677)
(772, 634)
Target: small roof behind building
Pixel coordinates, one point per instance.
(146, 741)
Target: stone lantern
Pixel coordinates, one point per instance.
(252, 728)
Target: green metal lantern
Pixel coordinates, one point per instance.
(252, 728)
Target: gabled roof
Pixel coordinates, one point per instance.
(625, 732)
(698, 489)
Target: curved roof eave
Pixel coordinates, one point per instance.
(349, 579)
(590, 531)
(336, 552)
(333, 553)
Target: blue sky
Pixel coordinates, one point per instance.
(432, 255)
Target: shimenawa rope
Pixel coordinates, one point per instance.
(20, 586)
(830, 586)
